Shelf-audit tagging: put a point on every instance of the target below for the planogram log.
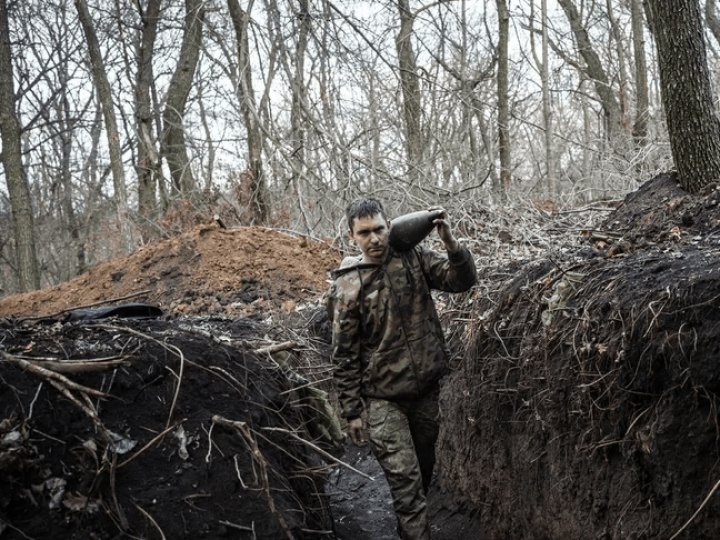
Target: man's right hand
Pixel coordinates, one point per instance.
(358, 432)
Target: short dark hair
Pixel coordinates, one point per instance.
(361, 208)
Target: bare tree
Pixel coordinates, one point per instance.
(543, 63)
(410, 85)
(693, 123)
(148, 163)
(594, 68)
(299, 105)
(28, 270)
(174, 146)
(641, 82)
(66, 124)
(503, 96)
(711, 18)
(618, 40)
(102, 85)
(246, 96)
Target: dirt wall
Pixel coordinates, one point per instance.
(586, 407)
(197, 434)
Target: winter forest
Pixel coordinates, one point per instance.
(127, 121)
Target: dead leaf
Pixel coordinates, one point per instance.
(79, 503)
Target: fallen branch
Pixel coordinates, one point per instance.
(277, 347)
(50, 375)
(78, 366)
(320, 451)
(89, 411)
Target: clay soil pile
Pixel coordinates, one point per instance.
(205, 270)
(587, 403)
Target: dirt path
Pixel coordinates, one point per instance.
(362, 508)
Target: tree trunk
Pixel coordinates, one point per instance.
(66, 126)
(488, 143)
(173, 144)
(552, 183)
(209, 137)
(693, 124)
(642, 104)
(503, 97)
(299, 102)
(147, 160)
(23, 223)
(617, 37)
(246, 96)
(711, 19)
(594, 69)
(106, 102)
(410, 85)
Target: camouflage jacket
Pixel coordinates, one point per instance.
(387, 339)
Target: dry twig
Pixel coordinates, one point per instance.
(151, 519)
(236, 526)
(702, 505)
(150, 443)
(244, 430)
(319, 451)
(277, 347)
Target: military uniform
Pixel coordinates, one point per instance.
(389, 353)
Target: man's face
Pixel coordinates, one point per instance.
(371, 235)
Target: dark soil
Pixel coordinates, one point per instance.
(63, 477)
(587, 403)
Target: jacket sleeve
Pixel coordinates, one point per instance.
(454, 272)
(346, 347)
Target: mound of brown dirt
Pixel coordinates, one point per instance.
(205, 270)
(587, 404)
(196, 437)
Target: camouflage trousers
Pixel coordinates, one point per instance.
(403, 435)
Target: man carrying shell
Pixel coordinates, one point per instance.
(389, 351)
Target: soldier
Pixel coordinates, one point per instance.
(389, 351)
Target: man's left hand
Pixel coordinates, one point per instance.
(445, 232)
